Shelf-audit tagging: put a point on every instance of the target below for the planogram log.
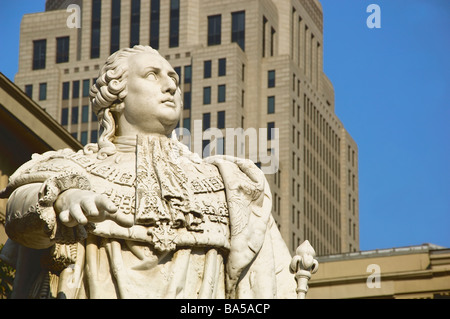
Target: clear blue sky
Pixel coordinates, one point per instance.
(392, 88)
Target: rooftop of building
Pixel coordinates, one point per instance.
(51, 5)
(30, 121)
(424, 248)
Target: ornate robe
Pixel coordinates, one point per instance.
(200, 228)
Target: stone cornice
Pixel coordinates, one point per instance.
(314, 12)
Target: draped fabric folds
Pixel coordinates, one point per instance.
(202, 229)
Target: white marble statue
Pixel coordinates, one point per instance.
(138, 215)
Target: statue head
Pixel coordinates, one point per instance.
(136, 92)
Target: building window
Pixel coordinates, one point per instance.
(62, 49)
(271, 105)
(94, 117)
(293, 160)
(206, 121)
(187, 123)
(271, 79)
(84, 137)
(65, 90)
(221, 119)
(222, 92)
(39, 54)
(187, 99)
(222, 67)
(174, 23)
(86, 88)
(264, 36)
(95, 28)
(187, 74)
(293, 241)
(272, 41)
(274, 202)
(207, 95)
(177, 70)
(65, 116)
(75, 89)
(270, 130)
(214, 30)
(220, 146)
(205, 147)
(292, 214)
(115, 26)
(75, 115)
(238, 28)
(74, 135)
(85, 114)
(42, 91)
(135, 22)
(207, 69)
(94, 136)
(154, 24)
(29, 90)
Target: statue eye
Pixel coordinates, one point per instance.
(174, 79)
(151, 75)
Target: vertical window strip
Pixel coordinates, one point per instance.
(135, 22)
(95, 28)
(115, 26)
(154, 23)
(174, 23)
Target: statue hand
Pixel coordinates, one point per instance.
(76, 206)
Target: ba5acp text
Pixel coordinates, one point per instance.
(246, 308)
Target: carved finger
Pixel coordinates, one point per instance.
(78, 215)
(103, 203)
(67, 219)
(89, 208)
(121, 219)
(92, 212)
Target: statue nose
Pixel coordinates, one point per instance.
(169, 85)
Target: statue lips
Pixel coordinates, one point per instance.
(169, 102)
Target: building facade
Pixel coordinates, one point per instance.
(243, 64)
(413, 272)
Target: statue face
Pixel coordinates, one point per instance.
(153, 103)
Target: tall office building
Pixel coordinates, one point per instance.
(242, 64)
